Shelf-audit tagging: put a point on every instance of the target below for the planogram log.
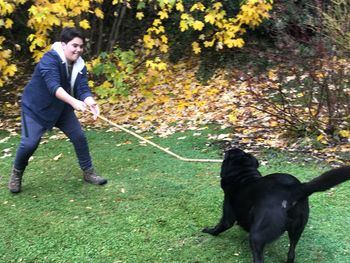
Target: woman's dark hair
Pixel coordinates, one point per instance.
(68, 33)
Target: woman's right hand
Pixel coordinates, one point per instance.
(76, 104)
(79, 105)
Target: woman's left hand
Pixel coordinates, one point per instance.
(89, 101)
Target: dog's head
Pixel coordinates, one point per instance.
(236, 160)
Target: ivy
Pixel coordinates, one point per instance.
(116, 72)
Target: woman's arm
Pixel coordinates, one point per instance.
(64, 96)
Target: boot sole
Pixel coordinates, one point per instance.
(14, 191)
(96, 183)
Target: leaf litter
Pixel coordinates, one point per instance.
(179, 102)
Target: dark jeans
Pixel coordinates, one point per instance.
(33, 131)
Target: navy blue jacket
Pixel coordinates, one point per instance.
(39, 100)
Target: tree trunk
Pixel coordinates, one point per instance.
(116, 26)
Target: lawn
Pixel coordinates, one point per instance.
(152, 209)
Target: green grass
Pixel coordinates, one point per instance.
(152, 209)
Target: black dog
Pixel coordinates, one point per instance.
(267, 206)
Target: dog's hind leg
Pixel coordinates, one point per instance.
(300, 214)
(267, 224)
(294, 238)
(257, 247)
(258, 234)
(227, 220)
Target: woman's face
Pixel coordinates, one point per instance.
(73, 49)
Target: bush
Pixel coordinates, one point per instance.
(311, 97)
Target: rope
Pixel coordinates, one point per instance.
(156, 145)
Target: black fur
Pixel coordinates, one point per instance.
(267, 206)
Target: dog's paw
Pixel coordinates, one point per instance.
(206, 230)
(210, 231)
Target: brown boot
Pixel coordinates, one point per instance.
(16, 181)
(91, 177)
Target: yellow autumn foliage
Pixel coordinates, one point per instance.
(45, 17)
(7, 69)
(228, 33)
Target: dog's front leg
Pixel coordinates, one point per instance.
(227, 220)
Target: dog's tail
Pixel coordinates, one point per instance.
(325, 181)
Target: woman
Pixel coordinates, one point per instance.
(58, 87)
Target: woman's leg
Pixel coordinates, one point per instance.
(30, 138)
(70, 125)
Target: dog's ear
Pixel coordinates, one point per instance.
(239, 156)
(257, 163)
(233, 153)
(253, 160)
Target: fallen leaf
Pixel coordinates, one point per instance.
(7, 150)
(4, 140)
(57, 157)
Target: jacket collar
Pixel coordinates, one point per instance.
(78, 65)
